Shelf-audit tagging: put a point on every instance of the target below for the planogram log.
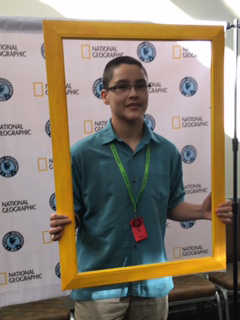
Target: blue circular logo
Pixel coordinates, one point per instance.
(8, 167)
(97, 88)
(43, 51)
(6, 89)
(187, 224)
(188, 86)
(52, 202)
(150, 121)
(58, 270)
(146, 51)
(189, 154)
(13, 241)
(48, 128)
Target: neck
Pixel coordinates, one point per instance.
(130, 132)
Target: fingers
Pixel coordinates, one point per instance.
(56, 230)
(209, 196)
(56, 236)
(225, 207)
(57, 225)
(226, 203)
(59, 220)
(226, 218)
(224, 212)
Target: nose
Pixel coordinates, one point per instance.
(132, 90)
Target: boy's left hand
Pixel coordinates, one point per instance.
(223, 211)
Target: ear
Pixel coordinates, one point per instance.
(104, 95)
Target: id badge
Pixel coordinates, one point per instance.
(139, 229)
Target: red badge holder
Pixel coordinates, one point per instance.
(139, 229)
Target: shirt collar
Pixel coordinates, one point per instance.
(108, 134)
(149, 132)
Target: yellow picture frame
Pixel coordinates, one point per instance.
(54, 34)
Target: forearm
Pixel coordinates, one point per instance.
(186, 211)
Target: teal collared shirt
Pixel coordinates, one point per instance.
(104, 209)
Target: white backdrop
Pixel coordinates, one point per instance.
(179, 109)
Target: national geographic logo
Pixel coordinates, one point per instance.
(195, 188)
(11, 50)
(180, 252)
(150, 121)
(13, 241)
(189, 154)
(17, 206)
(187, 224)
(14, 129)
(146, 51)
(89, 51)
(58, 270)
(48, 128)
(188, 86)
(157, 87)
(97, 88)
(179, 122)
(7, 278)
(52, 202)
(44, 164)
(92, 126)
(43, 51)
(6, 89)
(180, 53)
(8, 166)
(40, 89)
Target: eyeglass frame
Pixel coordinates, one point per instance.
(137, 87)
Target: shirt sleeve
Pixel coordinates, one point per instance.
(77, 190)
(177, 192)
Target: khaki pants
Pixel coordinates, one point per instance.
(130, 308)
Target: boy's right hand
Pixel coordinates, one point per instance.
(57, 225)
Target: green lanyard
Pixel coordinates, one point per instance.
(125, 176)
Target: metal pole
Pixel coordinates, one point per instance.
(236, 26)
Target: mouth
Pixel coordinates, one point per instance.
(134, 105)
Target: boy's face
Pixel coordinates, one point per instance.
(127, 104)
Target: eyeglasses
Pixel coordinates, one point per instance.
(140, 87)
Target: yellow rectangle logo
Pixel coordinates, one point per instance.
(42, 164)
(3, 279)
(177, 52)
(86, 51)
(177, 252)
(176, 122)
(88, 127)
(38, 89)
(46, 237)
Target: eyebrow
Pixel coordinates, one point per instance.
(127, 81)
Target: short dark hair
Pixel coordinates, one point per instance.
(116, 62)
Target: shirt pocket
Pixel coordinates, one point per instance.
(159, 185)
